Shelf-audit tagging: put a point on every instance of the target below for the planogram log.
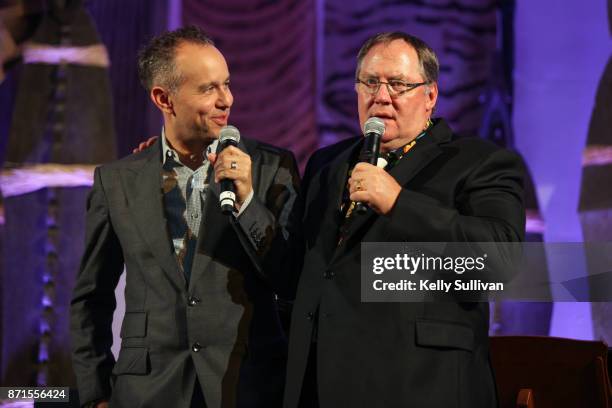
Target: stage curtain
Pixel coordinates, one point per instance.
(270, 47)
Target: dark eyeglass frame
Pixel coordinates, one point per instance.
(392, 92)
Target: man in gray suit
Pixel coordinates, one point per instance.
(201, 327)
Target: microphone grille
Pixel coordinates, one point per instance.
(374, 125)
(229, 132)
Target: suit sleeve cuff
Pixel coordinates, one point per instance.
(258, 224)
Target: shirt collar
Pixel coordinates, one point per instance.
(169, 153)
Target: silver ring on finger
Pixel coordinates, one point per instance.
(233, 165)
(358, 185)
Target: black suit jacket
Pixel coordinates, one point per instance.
(401, 354)
(221, 325)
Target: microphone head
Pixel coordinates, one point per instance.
(229, 133)
(374, 125)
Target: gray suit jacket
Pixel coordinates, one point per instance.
(222, 325)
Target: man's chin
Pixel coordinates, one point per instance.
(199, 136)
(389, 143)
(214, 131)
(388, 138)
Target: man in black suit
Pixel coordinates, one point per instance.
(347, 353)
(201, 326)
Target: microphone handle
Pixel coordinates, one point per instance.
(371, 149)
(369, 154)
(227, 195)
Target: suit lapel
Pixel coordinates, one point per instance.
(335, 176)
(144, 194)
(416, 159)
(331, 181)
(425, 150)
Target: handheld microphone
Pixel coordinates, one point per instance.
(373, 130)
(229, 136)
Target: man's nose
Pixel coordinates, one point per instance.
(382, 95)
(225, 98)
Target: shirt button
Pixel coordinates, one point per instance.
(309, 315)
(196, 347)
(193, 301)
(194, 215)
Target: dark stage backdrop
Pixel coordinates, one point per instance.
(124, 26)
(463, 34)
(271, 48)
(60, 113)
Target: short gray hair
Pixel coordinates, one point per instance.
(428, 61)
(156, 60)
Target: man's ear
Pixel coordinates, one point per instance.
(431, 92)
(161, 98)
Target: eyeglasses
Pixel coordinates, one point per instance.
(395, 87)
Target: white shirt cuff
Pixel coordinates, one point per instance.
(244, 205)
